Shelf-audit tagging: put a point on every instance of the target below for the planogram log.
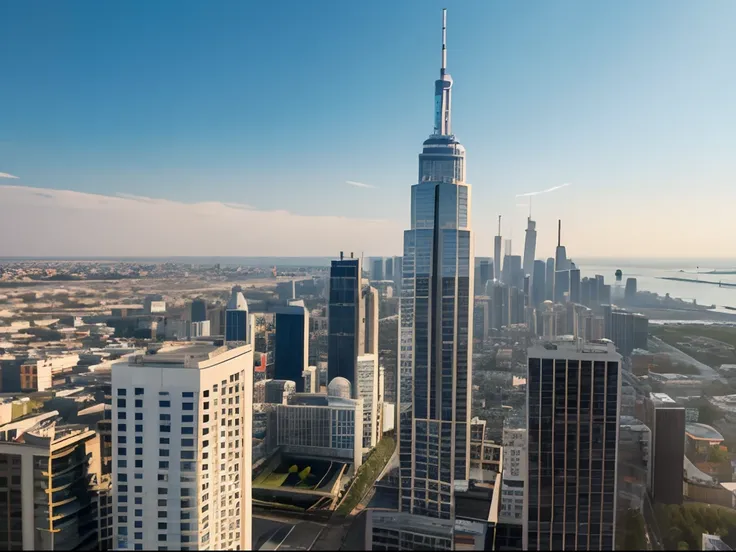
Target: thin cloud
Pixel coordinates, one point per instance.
(6, 175)
(360, 184)
(548, 190)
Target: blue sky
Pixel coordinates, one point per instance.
(277, 104)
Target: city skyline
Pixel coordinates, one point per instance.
(539, 113)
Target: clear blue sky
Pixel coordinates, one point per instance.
(277, 104)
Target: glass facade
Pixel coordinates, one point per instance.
(435, 333)
(343, 320)
(236, 325)
(573, 412)
(291, 347)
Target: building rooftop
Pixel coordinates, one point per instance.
(702, 432)
(186, 355)
(662, 399)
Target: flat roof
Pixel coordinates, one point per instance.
(662, 398)
(178, 355)
(702, 432)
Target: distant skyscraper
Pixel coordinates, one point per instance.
(549, 285)
(368, 327)
(344, 317)
(292, 343)
(497, 259)
(530, 246)
(630, 292)
(575, 285)
(236, 317)
(538, 283)
(377, 267)
(435, 338)
(199, 310)
(573, 393)
(398, 274)
(561, 262)
(562, 285)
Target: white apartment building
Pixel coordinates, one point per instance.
(368, 391)
(182, 428)
(514, 474)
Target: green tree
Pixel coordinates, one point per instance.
(717, 454)
(305, 473)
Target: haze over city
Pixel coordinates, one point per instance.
(311, 119)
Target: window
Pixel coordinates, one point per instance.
(163, 490)
(138, 500)
(164, 428)
(122, 530)
(205, 418)
(139, 464)
(139, 451)
(138, 390)
(122, 477)
(187, 394)
(139, 403)
(122, 499)
(122, 427)
(187, 431)
(206, 405)
(122, 439)
(139, 416)
(163, 477)
(122, 509)
(163, 514)
(122, 416)
(139, 524)
(122, 451)
(187, 418)
(163, 464)
(162, 538)
(138, 546)
(139, 428)
(122, 463)
(187, 455)
(162, 502)
(164, 404)
(138, 536)
(122, 519)
(163, 452)
(165, 417)
(162, 525)
(187, 442)
(139, 513)
(184, 406)
(139, 488)
(122, 488)
(139, 439)
(206, 393)
(121, 403)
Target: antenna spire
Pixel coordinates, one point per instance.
(499, 225)
(530, 207)
(559, 232)
(444, 42)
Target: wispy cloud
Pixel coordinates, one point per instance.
(206, 228)
(552, 189)
(359, 184)
(6, 175)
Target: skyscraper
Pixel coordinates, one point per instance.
(538, 283)
(575, 285)
(343, 320)
(199, 310)
(292, 343)
(435, 339)
(497, 259)
(530, 246)
(573, 405)
(236, 318)
(549, 288)
(561, 262)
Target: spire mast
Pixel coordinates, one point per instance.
(444, 42)
(559, 232)
(499, 225)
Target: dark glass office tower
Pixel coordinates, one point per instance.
(562, 285)
(199, 310)
(539, 280)
(291, 350)
(343, 320)
(549, 285)
(573, 397)
(236, 317)
(575, 285)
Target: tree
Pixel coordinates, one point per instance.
(294, 469)
(305, 473)
(717, 454)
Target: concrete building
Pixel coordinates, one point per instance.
(182, 430)
(512, 509)
(278, 391)
(368, 392)
(634, 475)
(292, 342)
(309, 378)
(322, 425)
(573, 403)
(198, 310)
(199, 329)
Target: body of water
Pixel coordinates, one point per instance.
(648, 276)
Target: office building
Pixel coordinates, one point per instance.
(561, 262)
(38, 454)
(530, 246)
(377, 268)
(368, 391)
(322, 425)
(199, 329)
(562, 285)
(182, 430)
(539, 283)
(368, 328)
(291, 349)
(573, 394)
(398, 274)
(483, 273)
(344, 316)
(634, 464)
(627, 330)
(278, 391)
(497, 252)
(630, 291)
(666, 419)
(574, 285)
(435, 343)
(237, 319)
(198, 310)
(549, 285)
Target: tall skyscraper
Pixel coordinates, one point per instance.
(199, 310)
(497, 259)
(549, 287)
(573, 406)
(182, 428)
(530, 246)
(368, 392)
(561, 262)
(377, 268)
(368, 328)
(291, 349)
(236, 318)
(575, 285)
(538, 283)
(435, 339)
(343, 320)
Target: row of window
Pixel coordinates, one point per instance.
(122, 392)
(162, 428)
(122, 403)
